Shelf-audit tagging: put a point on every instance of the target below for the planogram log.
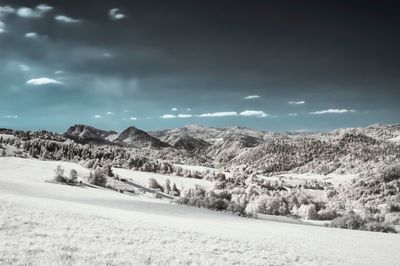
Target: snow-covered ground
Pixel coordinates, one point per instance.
(52, 224)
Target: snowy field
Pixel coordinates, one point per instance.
(51, 224)
(142, 178)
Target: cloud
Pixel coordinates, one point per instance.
(253, 113)
(218, 114)
(174, 109)
(6, 10)
(31, 35)
(11, 116)
(97, 116)
(188, 109)
(332, 111)
(44, 8)
(115, 14)
(42, 81)
(58, 72)
(37, 12)
(184, 115)
(2, 26)
(24, 68)
(66, 19)
(168, 116)
(251, 97)
(110, 113)
(133, 118)
(293, 114)
(297, 102)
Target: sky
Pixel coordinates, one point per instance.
(271, 65)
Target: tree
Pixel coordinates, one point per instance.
(3, 153)
(98, 178)
(59, 174)
(73, 175)
(167, 186)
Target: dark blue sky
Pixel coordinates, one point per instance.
(306, 65)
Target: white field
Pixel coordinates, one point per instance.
(142, 178)
(52, 224)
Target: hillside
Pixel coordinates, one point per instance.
(105, 227)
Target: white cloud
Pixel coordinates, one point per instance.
(251, 97)
(31, 35)
(11, 116)
(2, 27)
(218, 114)
(293, 114)
(188, 109)
(297, 102)
(184, 116)
(97, 116)
(333, 111)
(107, 55)
(115, 14)
(168, 116)
(58, 72)
(110, 113)
(253, 113)
(126, 111)
(24, 68)
(37, 12)
(42, 81)
(6, 10)
(174, 109)
(133, 118)
(44, 8)
(65, 19)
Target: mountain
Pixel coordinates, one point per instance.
(133, 136)
(88, 134)
(186, 142)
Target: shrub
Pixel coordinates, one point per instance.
(379, 227)
(391, 173)
(154, 184)
(98, 178)
(59, 174)
(349, 221)
(73, 176)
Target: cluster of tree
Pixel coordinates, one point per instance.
(167, 188)
(61, 178)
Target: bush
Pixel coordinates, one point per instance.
(98, 178)
(379, 227)
(59, 175)
(391, 173)
(73, 176)
(349, 221)
(154, 184)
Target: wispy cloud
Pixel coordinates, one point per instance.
(332, 111)
(97, 116)
(116, 14)
(251, 97)
(293, 114)
(42, 81)
(110, 113)
(254, 113)
(218, 114)
(11, 116)
(2, 26)
(174, 109)
(133, 118)
(168, 116)
(6, 10)
(24, 68)
(66, 19)
(31, 35)
(184, 116)
(297, 102)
